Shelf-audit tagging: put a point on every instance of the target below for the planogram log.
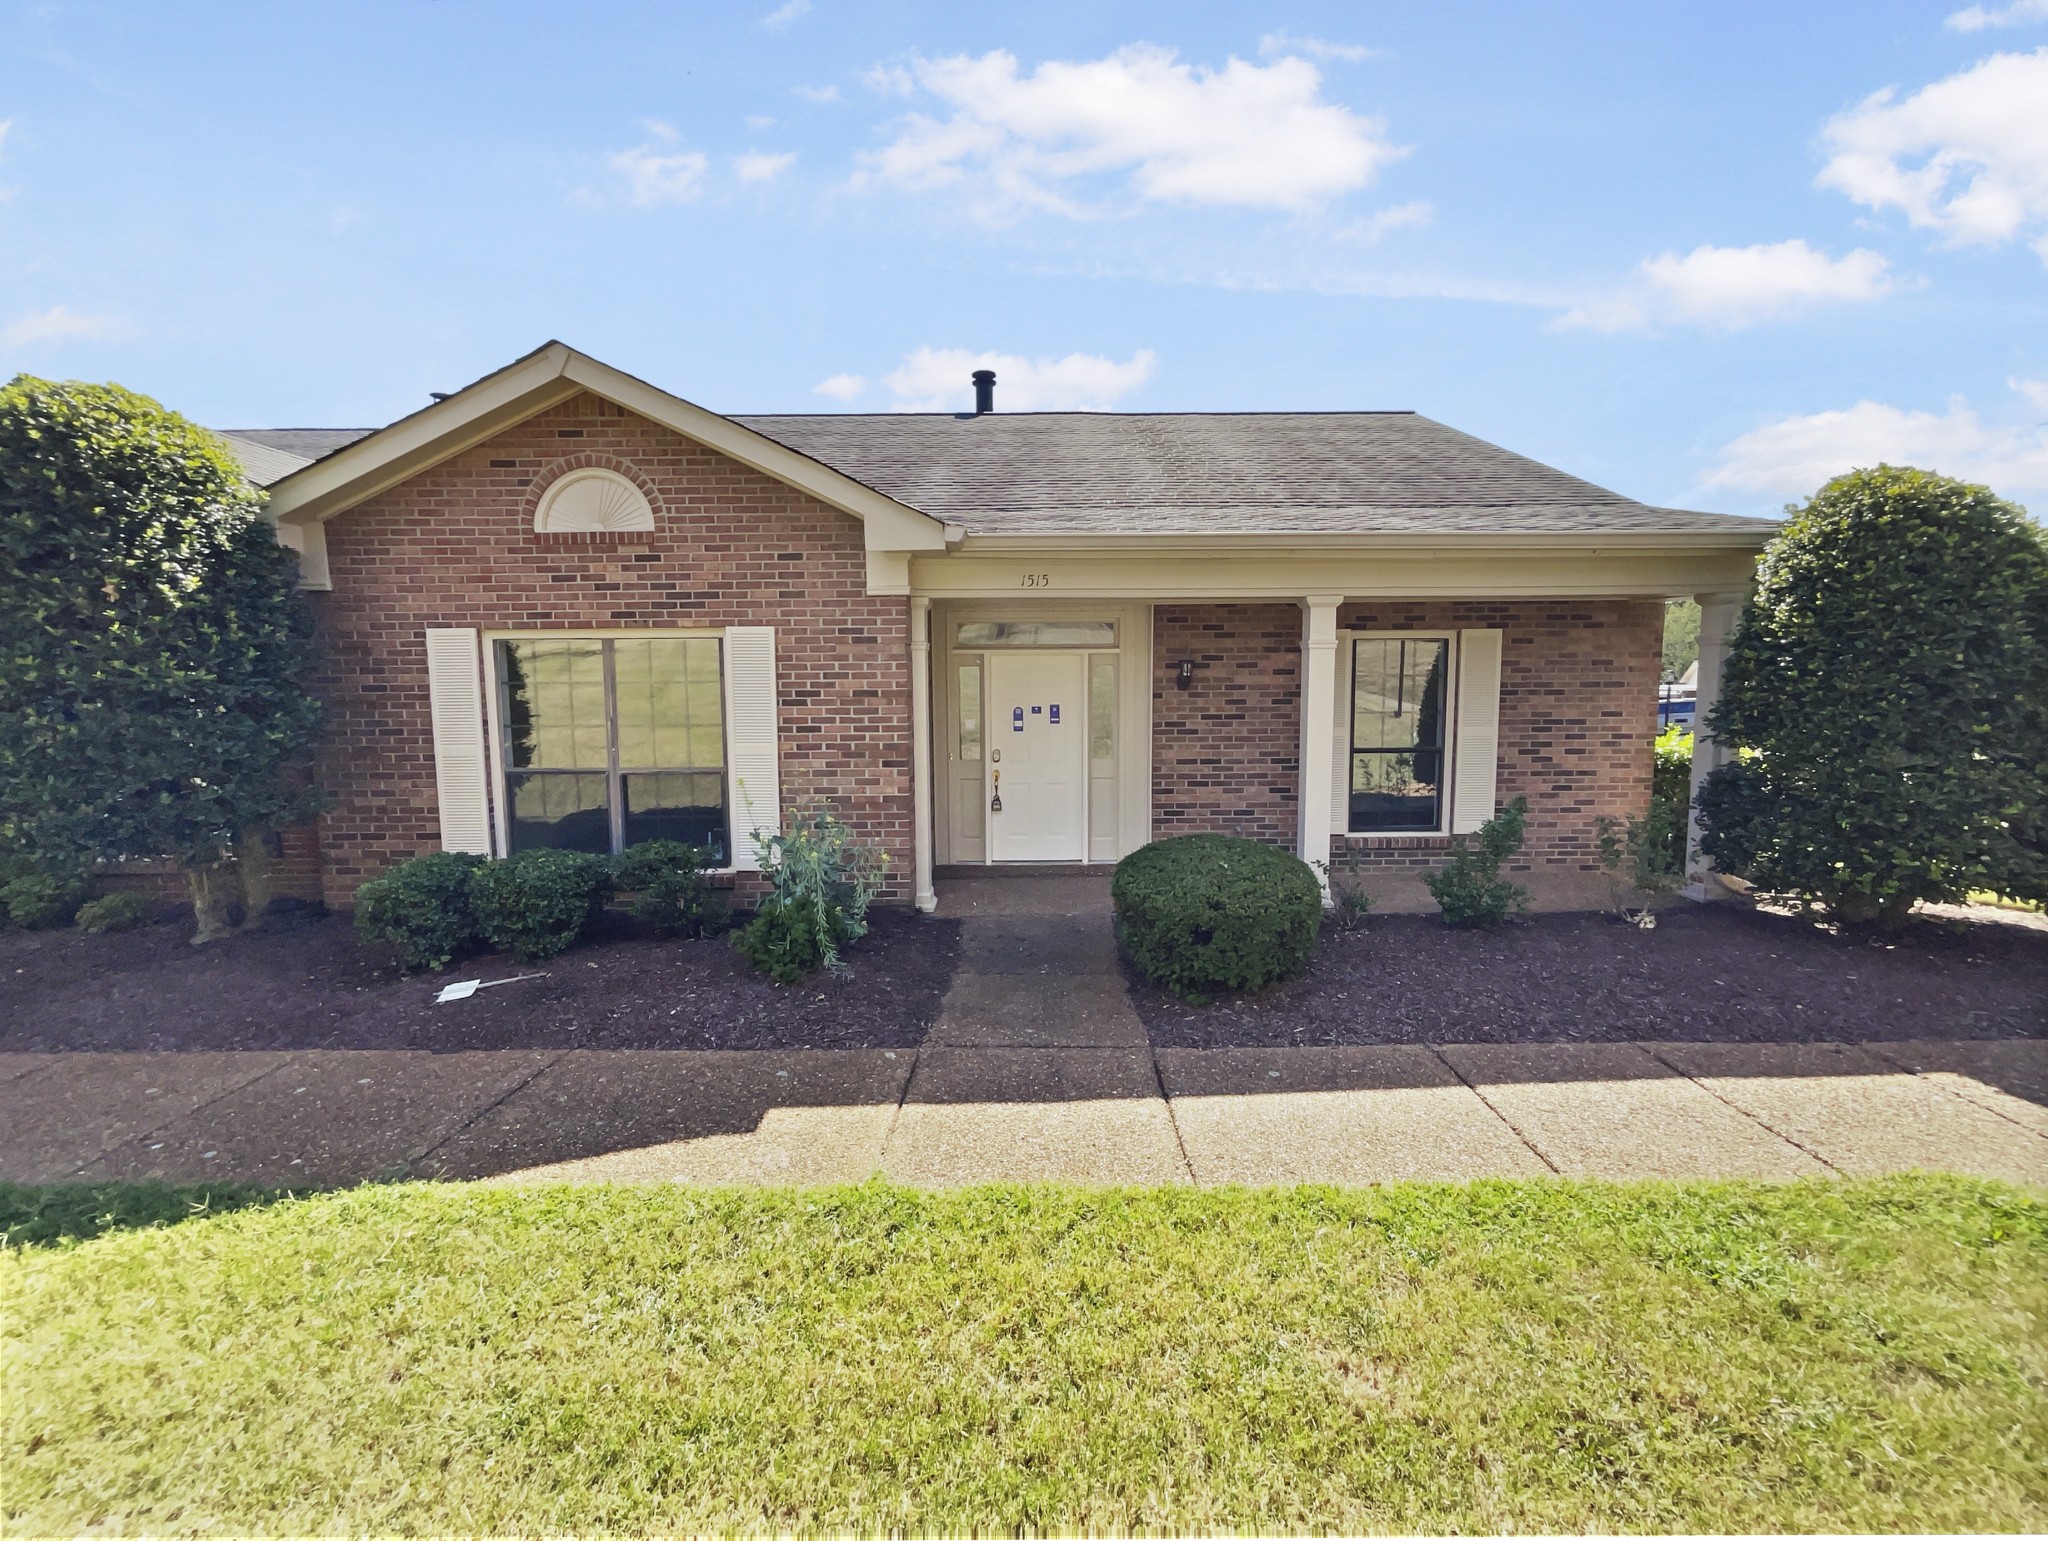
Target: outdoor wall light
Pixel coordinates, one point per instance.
(1187, 673)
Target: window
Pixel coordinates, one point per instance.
(1035, 634)
(1397, 733)
(592, 502)
(612, 741)
(968, 745)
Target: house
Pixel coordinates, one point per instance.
(564, 607)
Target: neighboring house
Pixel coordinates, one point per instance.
(563, 607)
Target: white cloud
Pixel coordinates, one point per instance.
(841, 387)
(1374, 227)
(820, 94)
(652, 177)
(1314, 47)
(1793, 456)
(759, 121)
(1976, 18)
(939, 380)
(1735, 286)
(5, 125)
(58, 324)
(761, 166)
(1249, 135)
(782, 16)
(1966, 156)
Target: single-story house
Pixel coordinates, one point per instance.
(562, 607)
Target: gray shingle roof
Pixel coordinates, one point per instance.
(1180, 473)
(1250, 473)
(271, 454)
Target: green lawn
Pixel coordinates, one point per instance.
(1519, 1356)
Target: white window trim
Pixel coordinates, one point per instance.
(494, 727)
(1447, 787)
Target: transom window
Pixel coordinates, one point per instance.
(1397, 733)
(1035, 634)
(612, 741)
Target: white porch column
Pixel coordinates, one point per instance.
(1318, 729)
(921, 753)
(1718, 613)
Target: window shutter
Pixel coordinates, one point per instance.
(1340, 776)
(455, 697)
(1477, 746)
(755, 795)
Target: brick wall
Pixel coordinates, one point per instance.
(1578, 713)
(455, 546)
(1226, 751)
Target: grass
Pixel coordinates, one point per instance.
(1846, 1356)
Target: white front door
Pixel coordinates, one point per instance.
(1038, 756)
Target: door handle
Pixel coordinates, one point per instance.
(995, 803)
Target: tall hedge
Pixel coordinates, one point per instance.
(1887, 698)
(155, 661)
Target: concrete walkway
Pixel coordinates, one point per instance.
(1037, 1068)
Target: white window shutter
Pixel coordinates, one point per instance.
(1477, 746)
(1340, 775)
(455, 696)
(755, 795)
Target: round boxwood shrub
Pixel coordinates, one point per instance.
(114, 912)
(538, 903)
(1200, 914)
(422, 909)
(671, 887)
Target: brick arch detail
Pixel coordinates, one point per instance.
(586, 460)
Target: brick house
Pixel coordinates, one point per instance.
(563, 607)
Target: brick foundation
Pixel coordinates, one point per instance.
(455, 546)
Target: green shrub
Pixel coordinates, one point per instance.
(422, 908)
(671, 887)
(788, 938)
(40, 901)
(539, 903)
(1886, 696)
(114, 912)
(1470, 890)
(821, 880)
(1201, 914)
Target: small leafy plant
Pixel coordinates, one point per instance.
(1470, 890)
(422, 909)
(821, 882)
(114, 912)
(536, 904)
(671, 887)
(1640, 852)
(1350, 902)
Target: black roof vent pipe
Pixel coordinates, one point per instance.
(984, 391)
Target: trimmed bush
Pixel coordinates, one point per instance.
(422, 908)
(1470, 890)
(787, 938)
(40, 901)
(672, 889)
(1202, 914)
(1886, 697)
(114, 912)
(538, 903)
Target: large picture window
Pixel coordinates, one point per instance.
(612, 741)
(1398, 687)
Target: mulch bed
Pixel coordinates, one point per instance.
(1708, 973)
(312, 985)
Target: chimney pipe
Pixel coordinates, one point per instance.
(984, 391)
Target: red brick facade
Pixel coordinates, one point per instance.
(1577, 716)
(455, 546)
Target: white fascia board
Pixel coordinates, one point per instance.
(543, 379)
(1196, 544)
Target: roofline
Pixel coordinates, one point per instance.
(1190, 542)
(546, 377)
(977, 417)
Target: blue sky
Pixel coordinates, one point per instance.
(1704, 255)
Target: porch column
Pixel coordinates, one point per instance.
(1718, 613)
(1318, 729)
(921, 753)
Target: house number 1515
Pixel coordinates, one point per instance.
(1035, 581)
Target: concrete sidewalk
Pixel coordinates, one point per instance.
(1037, 1068)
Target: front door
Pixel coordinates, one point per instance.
(1038, 756)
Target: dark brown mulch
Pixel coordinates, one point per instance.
(315, 986)
(1719, 973)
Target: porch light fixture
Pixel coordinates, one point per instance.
(1187, 673)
